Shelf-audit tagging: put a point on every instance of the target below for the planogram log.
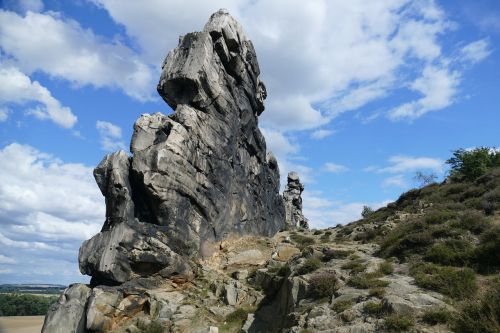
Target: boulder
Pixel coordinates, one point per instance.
(68, 314)
(292, 198)
(131, 250)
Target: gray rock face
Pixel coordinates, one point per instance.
(131, 249)
(68, 314)
(195, 176)
(293, 203)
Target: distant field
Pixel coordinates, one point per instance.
(25, 324)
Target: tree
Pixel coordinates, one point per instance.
(367, 211)
(469, 164)
(425, 179)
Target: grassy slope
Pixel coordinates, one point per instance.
(449, 233)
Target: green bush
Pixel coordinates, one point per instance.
(301, 240)
(323, 284)
(377, 292)
(366, 281)
(458, 283)
(451, 252)
(329, 254)
(234, 321)
(355, 265)
(342, 305)
(25, 305)
(398, 322)
(473, 221)
(386, 267)
(436, 316)
(480, 315)
(471, 164)
(317, 232)
(310, 265)
(438, 217)
(487, 253)
(375, 309)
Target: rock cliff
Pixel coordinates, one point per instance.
(195, 177)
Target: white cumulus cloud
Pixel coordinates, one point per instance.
(17, 88)
(60, 47)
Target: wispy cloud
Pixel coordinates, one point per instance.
(110, 136)
(401, 164)
(321, 134)
(335, 168)
(476, 51)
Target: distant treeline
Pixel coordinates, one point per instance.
(25, 305)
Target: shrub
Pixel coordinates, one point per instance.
(438, 217)
(365, 236)
(473, 221)
(366, 212)
(398, 322)
(376, 309)
(480, 316)
(451, 252)
(458, 283)
(342, 305)
(310, 265)
(386, 268)
(317, 232)
(329, 254)
(301, 240)
(487, 253)
(366, 281)
(151, 327)
(234, 321)
(323, 284)
(436, 316)
(377, 292)
(355, 265)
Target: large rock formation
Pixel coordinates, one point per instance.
(292, 197)
(195, 177)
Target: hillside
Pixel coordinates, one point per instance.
(198, 238)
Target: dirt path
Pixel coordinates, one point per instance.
(27, 324)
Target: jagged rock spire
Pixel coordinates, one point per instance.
(195, 177)
(293, 203)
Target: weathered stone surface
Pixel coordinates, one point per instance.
(131, 250)
(197, 176)
(293, 203)
(68, 314)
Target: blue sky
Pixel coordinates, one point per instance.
(361, 95)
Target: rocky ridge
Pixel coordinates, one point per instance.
(292, 196)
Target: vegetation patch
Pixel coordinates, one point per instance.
(458, 283)
(451, 252)
(323, 284)
(150, 327)
(235, 320)
(377, 292)
(355, 265)
(386, 268)
(436, 316)
(342, 305)
(330, 254)
(301, 240)
(25, 305)
(480, 315)
(375, 309)
(398, 322)
(367, 281)
(310, 265)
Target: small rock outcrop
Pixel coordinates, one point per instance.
(293, 203)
